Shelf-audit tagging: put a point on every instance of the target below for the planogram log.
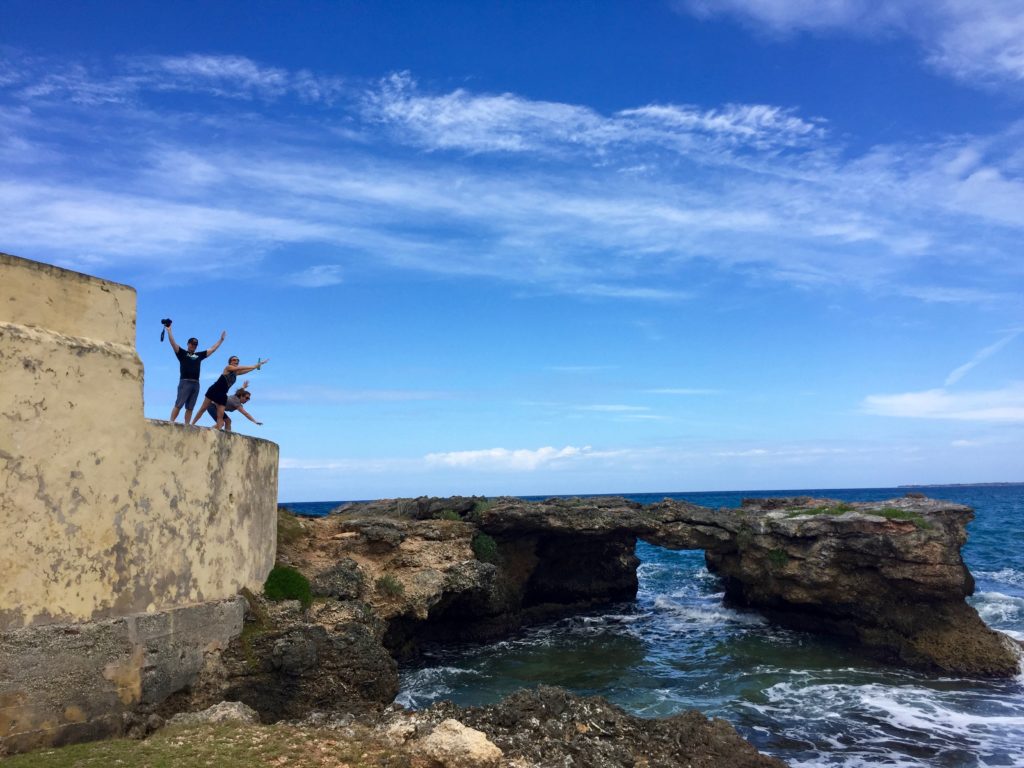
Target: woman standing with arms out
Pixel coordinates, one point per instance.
(218, 393)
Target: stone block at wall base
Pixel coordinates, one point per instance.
(65, 683)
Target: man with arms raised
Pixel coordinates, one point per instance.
(190, 360)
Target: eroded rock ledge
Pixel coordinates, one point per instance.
(392, 574)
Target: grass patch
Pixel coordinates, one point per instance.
(289, 529)
(447, 514)
(223, 746)
(389, 585)
(257, 621)
(778, 557)
(286, 583)
(895, 513)
(479, 507)
(485, 548)
(826, 509)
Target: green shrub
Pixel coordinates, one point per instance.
(479, 507)
(778, 557)
(834, 509)
(447, 514)
(485, 548)
(389, 585)
(286, 583)
(895, 513)
(289, 528)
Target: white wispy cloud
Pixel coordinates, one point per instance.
(224, 76)
(613, 408)
(687, 391)
(982, 354)
(559, 217)
(509, 123)
(319, 276)
(352, 466)
(997, 405)
(234, 76)
(521, 459)
(972, 40)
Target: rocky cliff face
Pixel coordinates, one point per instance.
(887, 575)
(392, 574)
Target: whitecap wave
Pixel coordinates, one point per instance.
(1004, 575)
(695, 614)
(877, 718)
(422, 686)
(999, 610)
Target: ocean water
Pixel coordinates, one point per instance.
(807, 700)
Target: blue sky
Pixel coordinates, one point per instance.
(551, 247)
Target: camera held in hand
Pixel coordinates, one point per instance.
(166, 323)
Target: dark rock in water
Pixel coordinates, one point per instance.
(888, 575)
(549, 726)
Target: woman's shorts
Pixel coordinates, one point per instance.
(188, 392)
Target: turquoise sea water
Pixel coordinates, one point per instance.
(807, 700)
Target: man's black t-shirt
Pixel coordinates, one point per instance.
(190, 362)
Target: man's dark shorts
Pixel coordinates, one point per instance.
(188, 391)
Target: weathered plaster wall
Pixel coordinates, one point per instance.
(104, 513)
(64, 683)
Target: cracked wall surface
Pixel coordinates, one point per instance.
(107, 514)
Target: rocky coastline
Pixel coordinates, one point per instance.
(390, 575)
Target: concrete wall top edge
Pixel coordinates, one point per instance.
(164, 424)
(21, 261)
(38, 295)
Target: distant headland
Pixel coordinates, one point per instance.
(959, 485)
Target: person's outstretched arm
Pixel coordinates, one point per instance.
(245, 413)
(170, 338)
(237, 369)
(211, 350)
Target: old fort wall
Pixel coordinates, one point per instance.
(126, 541)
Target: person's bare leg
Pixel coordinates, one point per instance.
(202, 410)
(227, 423)
(188, 416)
(174, 414)
(220, 416)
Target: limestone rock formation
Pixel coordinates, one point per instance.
(886, 575)
(224, 712)
(286, 665)
(549, 726)
(452, 745)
